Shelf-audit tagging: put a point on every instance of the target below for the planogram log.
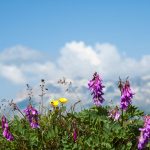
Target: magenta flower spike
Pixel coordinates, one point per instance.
(3, 122)
(96, 88)
(32, 116)
(6, 132)
(75, 135)
(145, 133)
(126, 96)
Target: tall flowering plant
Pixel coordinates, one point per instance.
(96, 87)
(5, 128)
(126, 95)
(32, 116)
(145, 133)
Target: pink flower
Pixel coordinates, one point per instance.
(145, 133)
(3, 122)
(74, 135)
(114, 114)
(6, 132)
(96, 87)
(32, 116)
(126, 96)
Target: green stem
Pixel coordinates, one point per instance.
(42, 103)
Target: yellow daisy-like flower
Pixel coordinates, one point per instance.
(54, 103)
(63, 100)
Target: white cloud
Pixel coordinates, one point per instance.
(81, 51)
(80, 60)
(77, 61)
(115, 64)
(19, 52)
(15, 63)
(12, 73)
(47, 69)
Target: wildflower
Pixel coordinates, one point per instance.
(27, 112)
(63, 100)
(96, 87)
(145, 133)
(54, 103)
(34, 123)
(114, 114)
(74, 135)
(3, 122)
(6, 132)
(32, 116)
(126, 96)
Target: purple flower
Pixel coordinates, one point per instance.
(34, 123)
(6, 132)
(145, 133)
(126, 96)
(28, 114)
(3, 122)
(74, 135)
(114, 114)
(32, 116)
(8, 135)
(96, 87)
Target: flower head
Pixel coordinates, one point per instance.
(54, 103)
(34, 123)
(32, 116)
(74, 135)
(114, 114)
(96, 88)
(63, 100)
(126, 96)
(145, 133)
(3, 122)
(6, 132)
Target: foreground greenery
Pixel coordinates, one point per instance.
(97, 128)
(95, 131)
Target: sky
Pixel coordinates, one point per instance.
(47, 25)
(50, 39)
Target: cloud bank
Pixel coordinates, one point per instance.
(77, 61)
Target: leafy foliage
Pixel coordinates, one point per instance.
(94, 128)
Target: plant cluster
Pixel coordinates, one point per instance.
(96, 128)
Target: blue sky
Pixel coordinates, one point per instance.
(50, 39)
(47, 25)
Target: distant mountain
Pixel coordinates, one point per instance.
(79, 91)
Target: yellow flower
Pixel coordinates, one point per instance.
(63, 100)
(54, 103)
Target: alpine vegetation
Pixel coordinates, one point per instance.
(53, 125)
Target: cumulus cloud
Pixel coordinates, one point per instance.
(114, 64)
(80, 60)
(19, 52)
(16, 61)
(12, 73)
(80, 51)
(77, 61)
